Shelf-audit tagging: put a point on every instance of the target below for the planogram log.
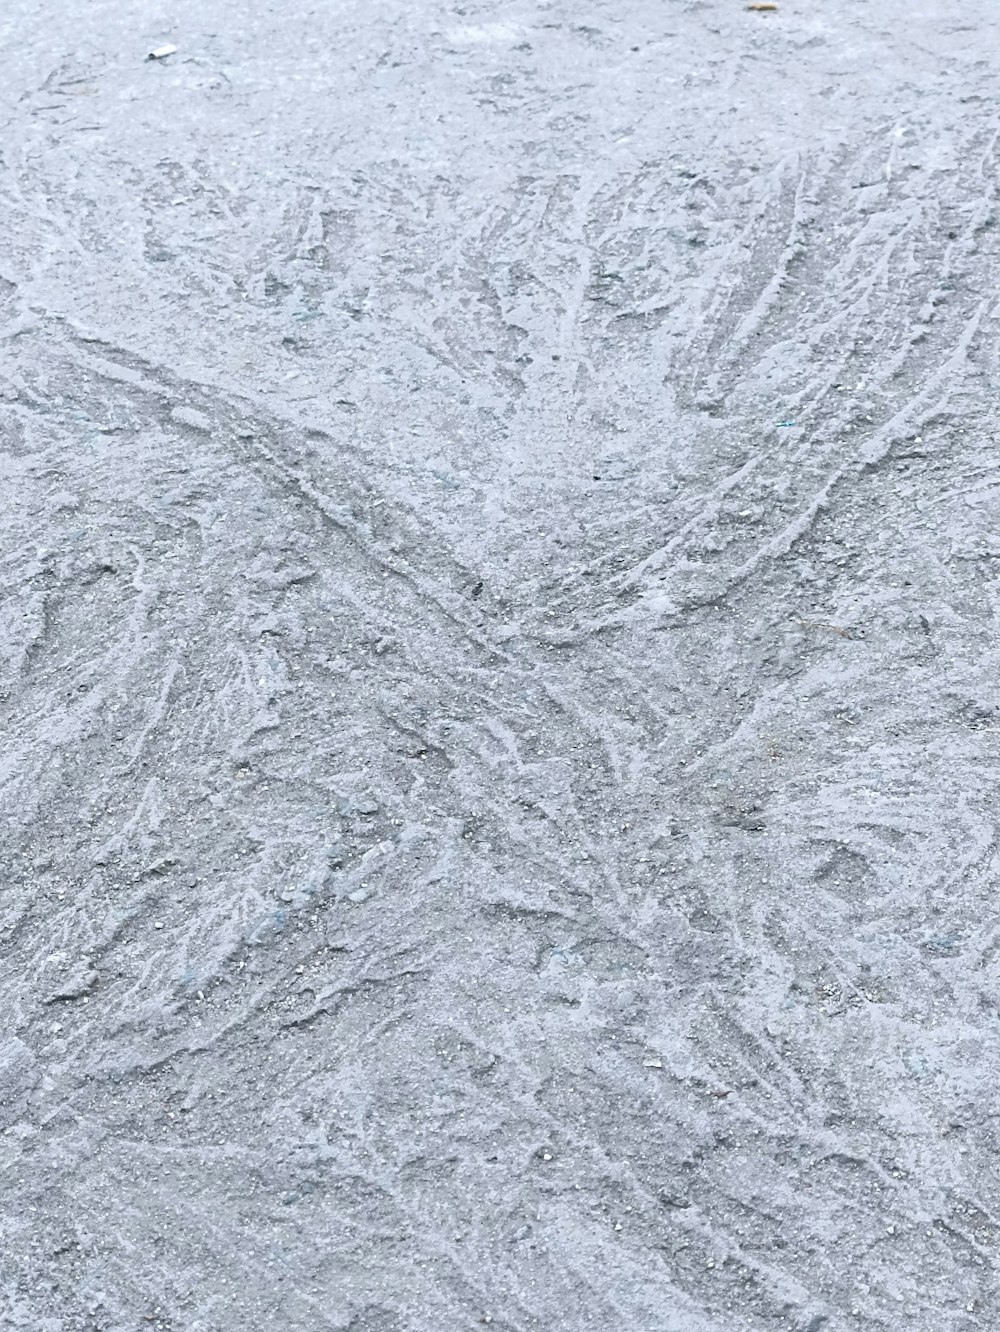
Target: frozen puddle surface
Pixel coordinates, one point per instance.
(498, 667)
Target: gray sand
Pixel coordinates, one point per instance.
(499, 676)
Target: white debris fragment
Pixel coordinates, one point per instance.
(190, 416)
